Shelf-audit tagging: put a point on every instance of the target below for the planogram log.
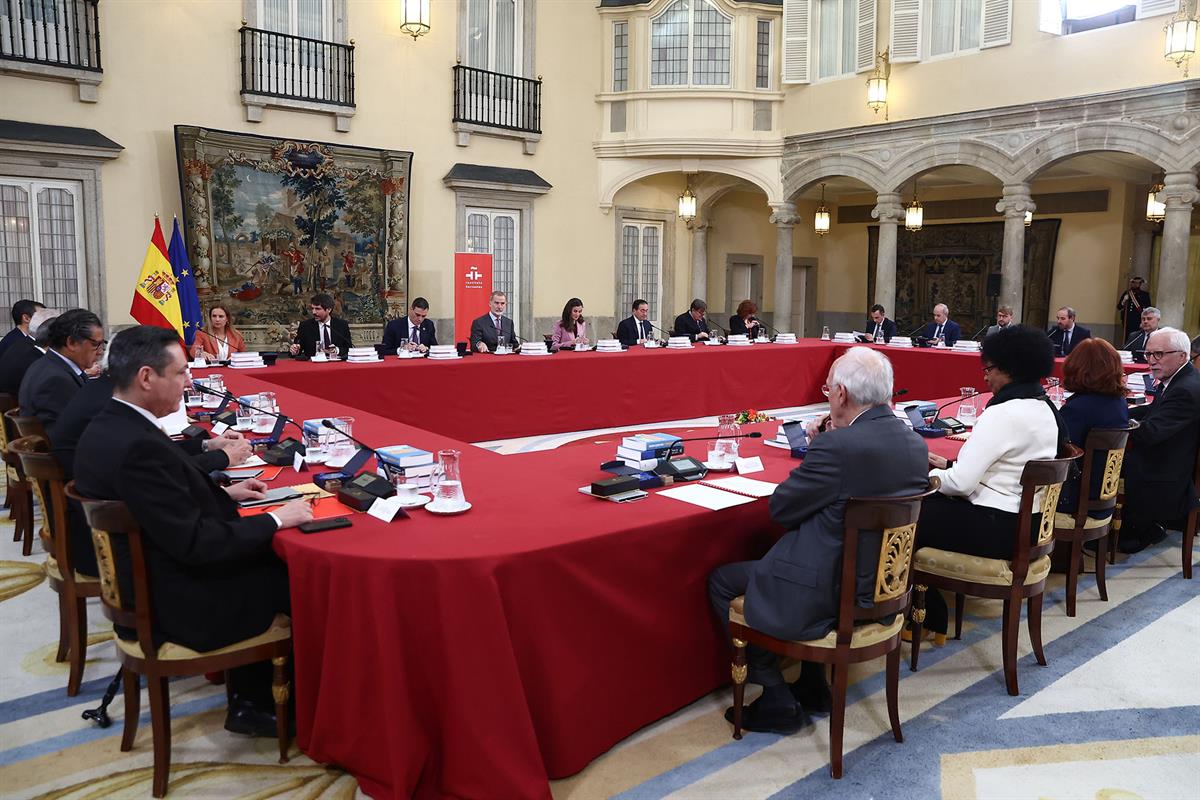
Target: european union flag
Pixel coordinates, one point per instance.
(189, 300)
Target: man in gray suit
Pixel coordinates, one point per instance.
(1004, 315)
(493, 327)
(792, 593)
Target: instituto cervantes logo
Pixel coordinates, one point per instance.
(474, 278)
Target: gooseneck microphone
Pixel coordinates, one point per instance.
(981, 330)
(230, 397)
(327, 423)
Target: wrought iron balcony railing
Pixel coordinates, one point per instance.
(60, 33)
(295, 67)
(497, 100)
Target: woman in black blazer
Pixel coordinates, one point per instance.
(1093, 373)
(744, 322)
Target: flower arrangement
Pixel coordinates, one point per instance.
(750, 415)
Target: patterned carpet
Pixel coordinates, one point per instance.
(1113, 717)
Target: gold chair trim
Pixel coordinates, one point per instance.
(1112, 474)
(110, 590)
(280, 630)
(1050, 495)
(895, 559)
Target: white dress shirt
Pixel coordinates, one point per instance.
(1005, 437)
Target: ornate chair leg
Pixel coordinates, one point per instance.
(1189, 540)
(1012, 624)
(133, 708)
(1034, 615)
(739, 671)
(1073, 573)
(960, 602)
(918, 619)
(1101, 559)
(160, 722)
(281, 690)
(64, 629)
(837, 718)
(893, 691)
(77, 631)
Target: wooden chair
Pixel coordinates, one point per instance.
(1074, 530)
(851, 642)
(19, 491)
(48, 478)
(1021, 578)
(1189, 526)
(29, 426)
(111, 520)
(7, 403)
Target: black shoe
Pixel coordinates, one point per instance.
(812, 694)
(771, 719)
(245, 718)
(1138, 540)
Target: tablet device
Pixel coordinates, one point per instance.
(915, 416)
(796, 435)
(272, 497)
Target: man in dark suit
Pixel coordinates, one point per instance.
(321, 330)
(942, 328)
(880, 325)
(792, 593)
(1133, 301)
(692, 323)
(1139, 339)
(414, 327)
(1161, 457)
(22, 314)
(75, 339)
(635, 329)
(24, 351)
(213, 575)
(488, 331)
(1066, 334)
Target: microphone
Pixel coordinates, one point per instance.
(767, 325)
(899, 393)
(751, 435)
(724, 333)
(981, 330)
(913, 332)
(326, 423)
(660, 330)
(231, 397)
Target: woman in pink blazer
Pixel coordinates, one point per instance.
(572, 328)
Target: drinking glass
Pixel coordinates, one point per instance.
(448, 491)
(245, 418)
(339, 447)
(264, 401)
(314, 450)
(825, 333)
(403, 348)
(331, 352)
(214, 384)
(726, 445)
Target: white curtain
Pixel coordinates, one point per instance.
(970, 24)
(828, 34)
(478, 29)
(941, 26)
(506, 37)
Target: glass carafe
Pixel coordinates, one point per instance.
(447, 476)
(725, 448)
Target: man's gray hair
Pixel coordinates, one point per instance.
(496, 294)
(39, 325)
(1152, 310)
(1176, 339)
(866, 376)
(945, 308)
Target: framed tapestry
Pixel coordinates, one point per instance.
(269, 222)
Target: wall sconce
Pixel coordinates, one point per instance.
(1028, 218)
(877, 84)
(687, 205)
(1156, 210)
(1180, 32)
(414, 17)
(914, 215)
(821, 217)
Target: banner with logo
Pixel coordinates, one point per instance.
(472, 286)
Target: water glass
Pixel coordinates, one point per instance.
(314, 450)
(403, 346)
(825, 333)
(245, 418)
(448, 491)
(339, 447)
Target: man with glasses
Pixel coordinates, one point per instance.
(76, 341)
(1162, 451)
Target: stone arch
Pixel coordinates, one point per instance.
(801, 176)
(636, 172)
(986, 157)
(1122, 137)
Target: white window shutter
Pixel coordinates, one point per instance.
(797, 15)
(906, 31)
(997, 23)
(865, 40)
(1155, 8)
(1050, 16)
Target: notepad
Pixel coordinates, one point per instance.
(743, 486)
(705, 496)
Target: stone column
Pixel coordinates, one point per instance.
(699, 259)
(1013, 205)
(1171, 292)
(784, 218)
(889, 210)
(1143, 246)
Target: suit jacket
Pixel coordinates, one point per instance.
(889, 329)
(87, 403)
(48, 385)
(1136, 344)
(213, 576)
(1058, 335)
(309, 333)
(12, 337)
(1082, 412)
(793, 592)
(1161, 458)
(627, 331)
(15, 362)
(737, 326)
(994, 329)
(951, 332)
(402, 328)
(687, 325)
(483, 330)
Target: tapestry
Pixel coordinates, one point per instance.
(269, 222)
(959, 264)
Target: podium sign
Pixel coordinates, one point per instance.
(472, 286)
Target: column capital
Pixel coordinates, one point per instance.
(784, 214)
(1179, 190)
(888, 208)
(1016, 200)
(698, 225)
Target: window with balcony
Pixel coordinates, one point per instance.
(52, 38)
(690, 45)
(493, 91)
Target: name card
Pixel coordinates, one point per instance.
(747, 465)
(219, 428)
(199, 363)
(385, 508)
(297, 461)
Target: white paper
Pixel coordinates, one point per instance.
(253, 461)
(219, 428)
(750, 486)
(385, 508)
(199, 363)
(297, 461)
(705, 496)
(175, 422)
(745, 465)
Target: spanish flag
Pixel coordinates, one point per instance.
(156, 298)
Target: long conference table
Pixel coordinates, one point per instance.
(481, 655)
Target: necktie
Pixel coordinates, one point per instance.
(325, 334)
(877, 326)
(1066, 341)
(938, 334)
(645, 330)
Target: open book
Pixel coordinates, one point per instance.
(720, 493)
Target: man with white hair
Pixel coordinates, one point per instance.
(1137, 341)
(1161, 457)
(942, 329)
(792, 592)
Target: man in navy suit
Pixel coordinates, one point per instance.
(635, 329)
(415, 328)
(1066, 334)
(692, 323)
(942, 328)
(493, 328)
(22, 313)
(792, 592)
(880, 325)
(76, 338)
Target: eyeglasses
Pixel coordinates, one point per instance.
(987, 369)
(1157, 355)
(97, 343)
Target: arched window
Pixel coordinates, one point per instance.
(689, 45)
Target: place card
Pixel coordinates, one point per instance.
(385, 508)
(748, 465)
(297, 461)
(219, 428)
